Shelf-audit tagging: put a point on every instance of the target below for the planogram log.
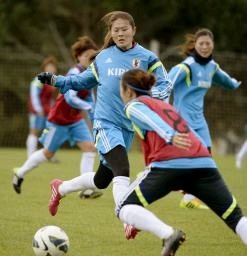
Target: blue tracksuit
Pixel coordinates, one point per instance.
(111, 126)
(191, 82)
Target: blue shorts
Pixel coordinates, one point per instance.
(55, 135)
(204, 134)
(107, 136)
(199, 124)
(37, 122)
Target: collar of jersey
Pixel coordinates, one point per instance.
(199, 59)
(133, 45)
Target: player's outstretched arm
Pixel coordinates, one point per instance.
(84, 80)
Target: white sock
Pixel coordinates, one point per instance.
(33, 161)
(120, 187)
(188, 197)
(31, 144)
(87, 162)
(143, 219)
(80, 183)
(242, 152)
(241, 229)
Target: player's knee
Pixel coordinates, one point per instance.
(117, 159)
(101, 183)
(103, 177)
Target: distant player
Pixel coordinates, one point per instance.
(41, 99)
(192, 79)
(242, 153)
(66, 122)
(177, 160)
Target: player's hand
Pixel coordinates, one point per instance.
(182, 141)
(161, 94)
(47, 78)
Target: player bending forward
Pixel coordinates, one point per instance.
(177, 160)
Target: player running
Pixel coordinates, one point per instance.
(113, 132)
(192, 79)
(177, 160)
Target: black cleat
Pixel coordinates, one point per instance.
(171, 244)
(17, 181)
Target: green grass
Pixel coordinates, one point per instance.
(91, 225)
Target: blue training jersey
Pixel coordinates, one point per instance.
(191, 82)
(71, 96)
(106, 71)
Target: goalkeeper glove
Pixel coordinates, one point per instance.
(47, 78)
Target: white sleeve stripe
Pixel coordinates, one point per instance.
(177, 74)
(105, 140)
(142, 117)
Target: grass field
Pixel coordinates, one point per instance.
(91, 225)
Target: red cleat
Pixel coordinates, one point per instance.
(130, 231)
(55, 196)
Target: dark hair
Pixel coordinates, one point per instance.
(108, 19)
(190, 39)
(82, 44)
(49, 60)
(138, 80)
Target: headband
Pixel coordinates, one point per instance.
(148, 92)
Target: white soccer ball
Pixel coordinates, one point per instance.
(50, 241)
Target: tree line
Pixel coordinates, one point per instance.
(50, 25)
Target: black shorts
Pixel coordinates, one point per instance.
(204, 183)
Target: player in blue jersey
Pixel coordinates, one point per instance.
(66, 123)
(113, 132)
(192, 79)
(176, 159)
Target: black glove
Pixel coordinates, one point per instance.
(46, 78)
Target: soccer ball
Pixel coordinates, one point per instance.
(50, 241)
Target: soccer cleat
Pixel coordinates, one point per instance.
(193, 204)
(130, 231)
(16, 181)
(171, 244)
(90, 194)
(55, 196)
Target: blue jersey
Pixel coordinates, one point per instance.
(191, 82)
(106, 72)
(74, 100)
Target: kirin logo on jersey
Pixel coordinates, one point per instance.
(115, 71)
(136, 63)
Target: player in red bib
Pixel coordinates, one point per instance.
(176, 159)
(66, 123)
